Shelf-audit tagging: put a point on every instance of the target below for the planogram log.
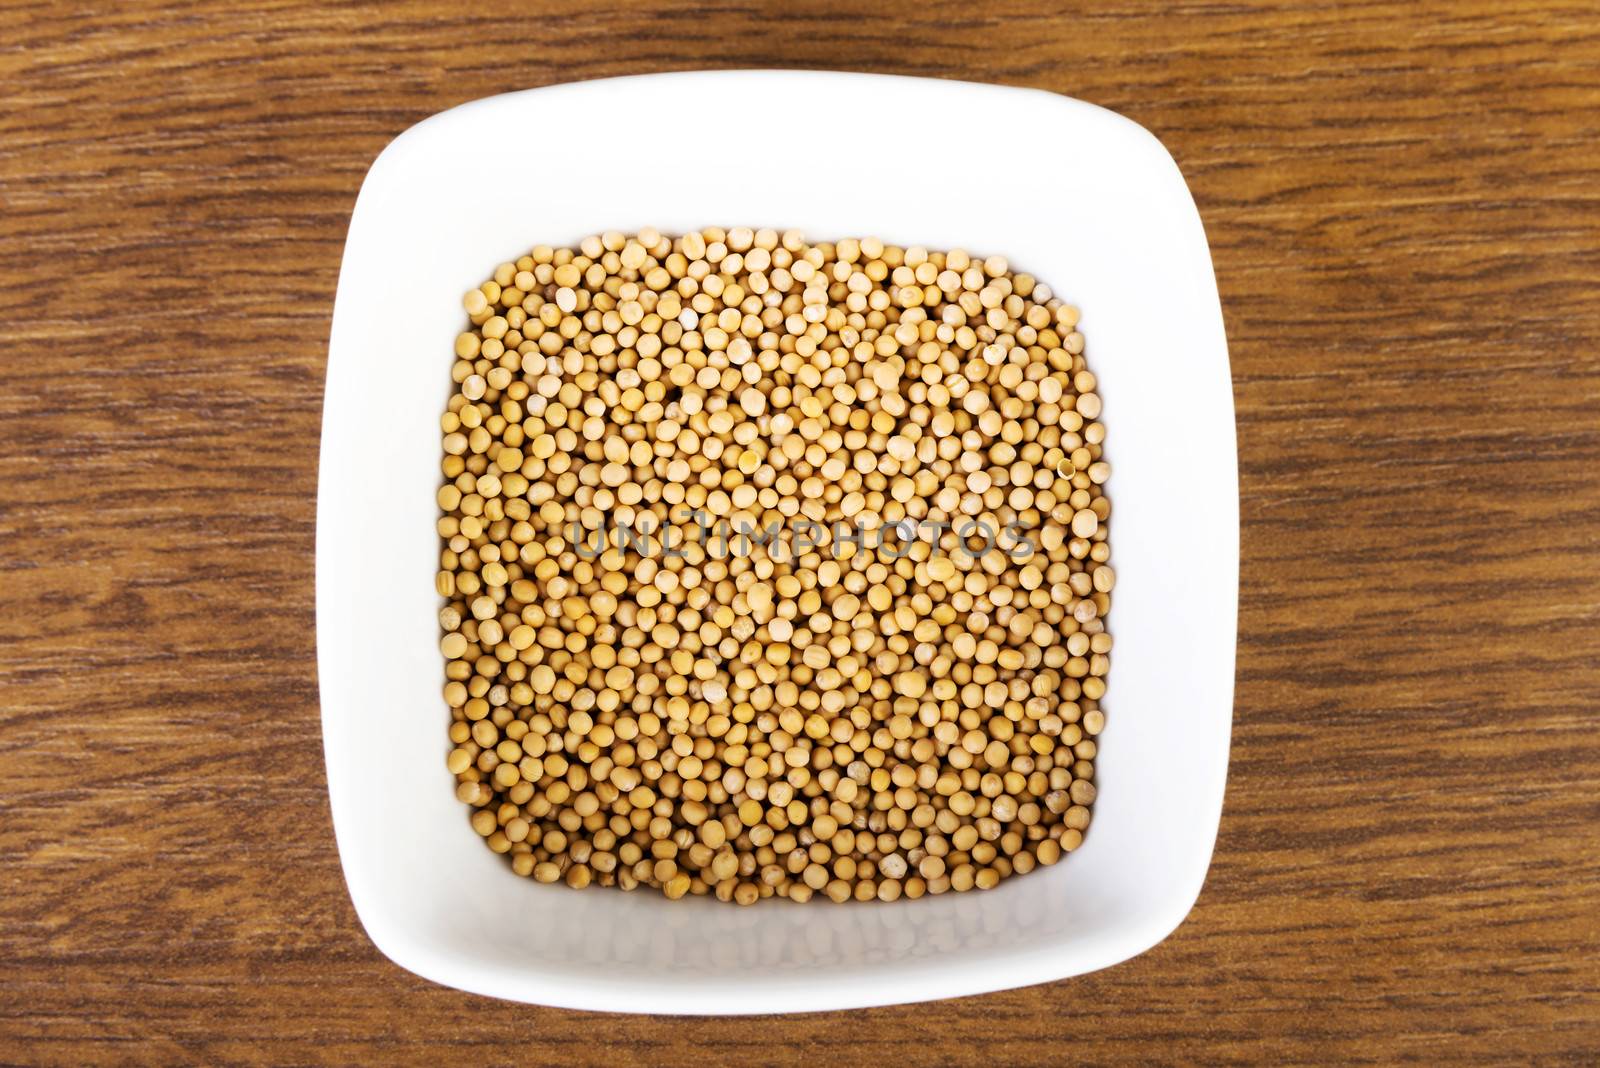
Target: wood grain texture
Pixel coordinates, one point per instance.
(1404, 210)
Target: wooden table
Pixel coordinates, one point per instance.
(1404, 211)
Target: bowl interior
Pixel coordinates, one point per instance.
(1084, 200)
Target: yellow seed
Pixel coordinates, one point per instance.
(854, 700)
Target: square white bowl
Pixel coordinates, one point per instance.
(1085, 200)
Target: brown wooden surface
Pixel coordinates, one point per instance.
(1404, 211)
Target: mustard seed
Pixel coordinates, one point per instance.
(726, 606)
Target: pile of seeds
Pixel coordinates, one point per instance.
(773, 568)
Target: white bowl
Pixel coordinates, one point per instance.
(1085, 200)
